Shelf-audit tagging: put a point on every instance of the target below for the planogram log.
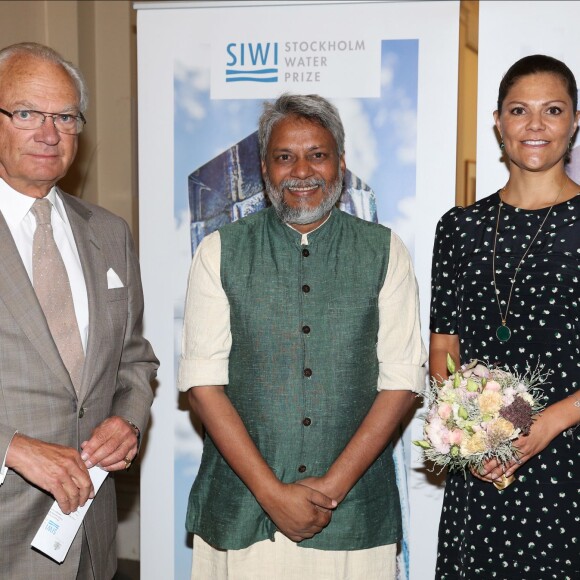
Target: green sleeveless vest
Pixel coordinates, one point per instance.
(303, 373)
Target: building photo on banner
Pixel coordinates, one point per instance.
(202, 80)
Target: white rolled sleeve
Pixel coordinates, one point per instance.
(206, 339)
(400, 349)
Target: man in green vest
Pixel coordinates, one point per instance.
(301, 352)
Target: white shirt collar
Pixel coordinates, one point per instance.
(15, 205)
(304, 240)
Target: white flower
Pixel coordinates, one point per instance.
(527, 398)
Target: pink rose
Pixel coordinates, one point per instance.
(455, 437)
(445, 411)
(438, 435)
(493, 386)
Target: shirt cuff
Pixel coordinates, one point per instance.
(4, 469)
(202, 373)
(401, 377)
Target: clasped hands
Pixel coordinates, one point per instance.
(301, 509)
(63, 471)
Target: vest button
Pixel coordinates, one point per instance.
(306, 288)
(81, 412)
(305, 253)
(306, 329)
(307, 421)
(307, 372)
(302, 468)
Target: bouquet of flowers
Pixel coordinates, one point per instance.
(477, 413)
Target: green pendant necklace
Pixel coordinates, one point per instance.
(503, 332)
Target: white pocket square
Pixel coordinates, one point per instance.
(113, 281)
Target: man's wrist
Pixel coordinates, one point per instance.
(268, 491)
(335, 489)
(135, 428)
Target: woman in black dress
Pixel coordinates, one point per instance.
(506, 290)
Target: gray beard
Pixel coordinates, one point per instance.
(304, 215)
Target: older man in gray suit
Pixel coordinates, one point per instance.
(75, 369)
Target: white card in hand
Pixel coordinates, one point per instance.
(58, 530)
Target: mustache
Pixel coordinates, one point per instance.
(312, 182)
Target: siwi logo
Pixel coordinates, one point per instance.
(252, 62)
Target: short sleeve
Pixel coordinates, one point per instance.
(400, 349)
(443, 316)
(206, 339)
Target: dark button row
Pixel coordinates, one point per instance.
(307, 372)
(81, 412)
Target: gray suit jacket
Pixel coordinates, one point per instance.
(38, 399)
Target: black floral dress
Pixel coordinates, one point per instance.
(531, 530)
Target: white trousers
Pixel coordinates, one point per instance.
(284, 560)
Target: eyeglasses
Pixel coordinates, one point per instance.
(63, 122)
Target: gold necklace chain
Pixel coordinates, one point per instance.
(503, 332)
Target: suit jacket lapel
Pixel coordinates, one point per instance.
(94, 271)
(18, 295)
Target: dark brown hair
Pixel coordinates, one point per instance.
(534, 64)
